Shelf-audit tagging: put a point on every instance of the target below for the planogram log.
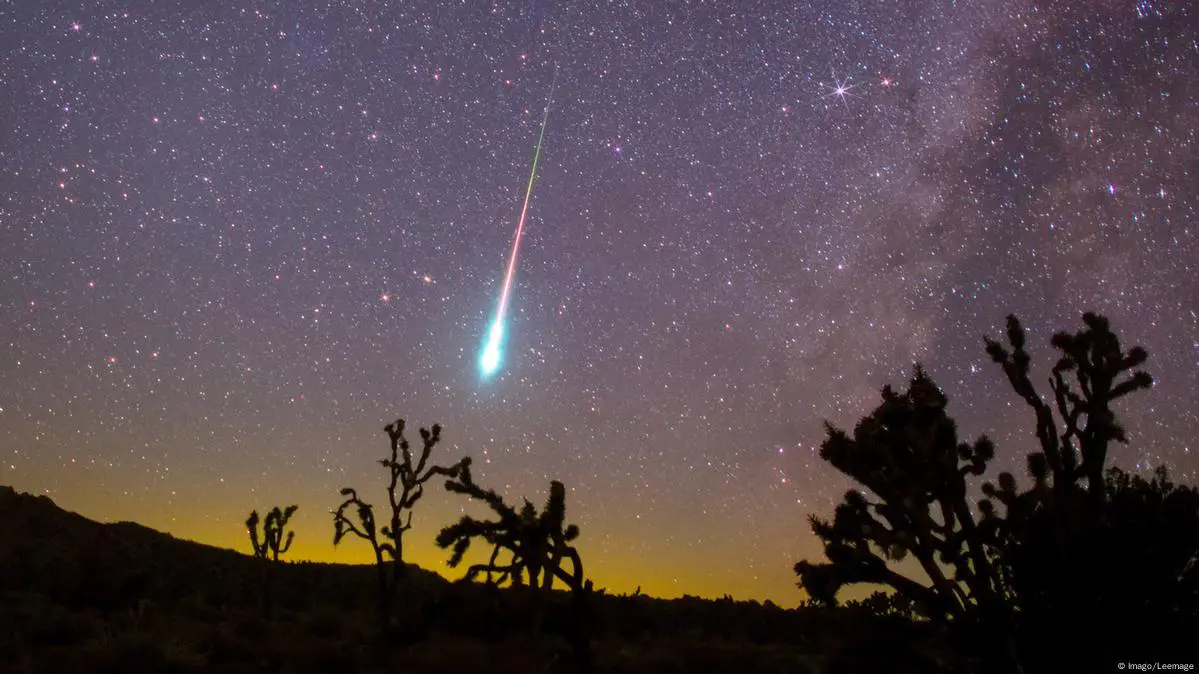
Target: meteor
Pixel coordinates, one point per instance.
(492, 355)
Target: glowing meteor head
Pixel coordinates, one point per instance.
(489, 360)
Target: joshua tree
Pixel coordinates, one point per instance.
(981, 568)
(1087, 545)
(406, 485)
(537, 545)
(1088, 424)
(908, 455)
(271, 545)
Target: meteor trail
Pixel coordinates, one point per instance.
(491, 356)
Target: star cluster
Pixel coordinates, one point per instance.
(238, 238)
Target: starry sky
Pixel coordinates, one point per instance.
(238, 238)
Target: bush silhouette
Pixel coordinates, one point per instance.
(1059, 553)
(1133, 579)
(387, 542)
(885, 604)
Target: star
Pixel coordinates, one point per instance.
(840, 90)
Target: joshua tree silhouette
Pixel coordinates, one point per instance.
(408, 476)
(271, 545)
(908, 454)
(1088, 423)
(537, 544)
(987, 573)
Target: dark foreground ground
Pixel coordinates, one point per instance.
(79, 596)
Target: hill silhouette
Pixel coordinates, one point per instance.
(79, 595)
(82, 563)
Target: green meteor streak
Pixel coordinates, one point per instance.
(491, 356)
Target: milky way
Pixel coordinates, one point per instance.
(238, 238)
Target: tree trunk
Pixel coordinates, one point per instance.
(580, 633)
(383, 606)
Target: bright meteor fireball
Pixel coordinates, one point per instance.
(491, 358)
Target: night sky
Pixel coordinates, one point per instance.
(237, 238)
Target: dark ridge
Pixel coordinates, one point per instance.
(79, 595)
(80, 563)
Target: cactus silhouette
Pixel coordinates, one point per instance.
(908, 455)
(268, 548)
(537, 546)
(1076, 447)
(1028, 557)
(538, 542)
(272, 544)
(407, 476)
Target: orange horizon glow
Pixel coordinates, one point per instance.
(615, 573)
